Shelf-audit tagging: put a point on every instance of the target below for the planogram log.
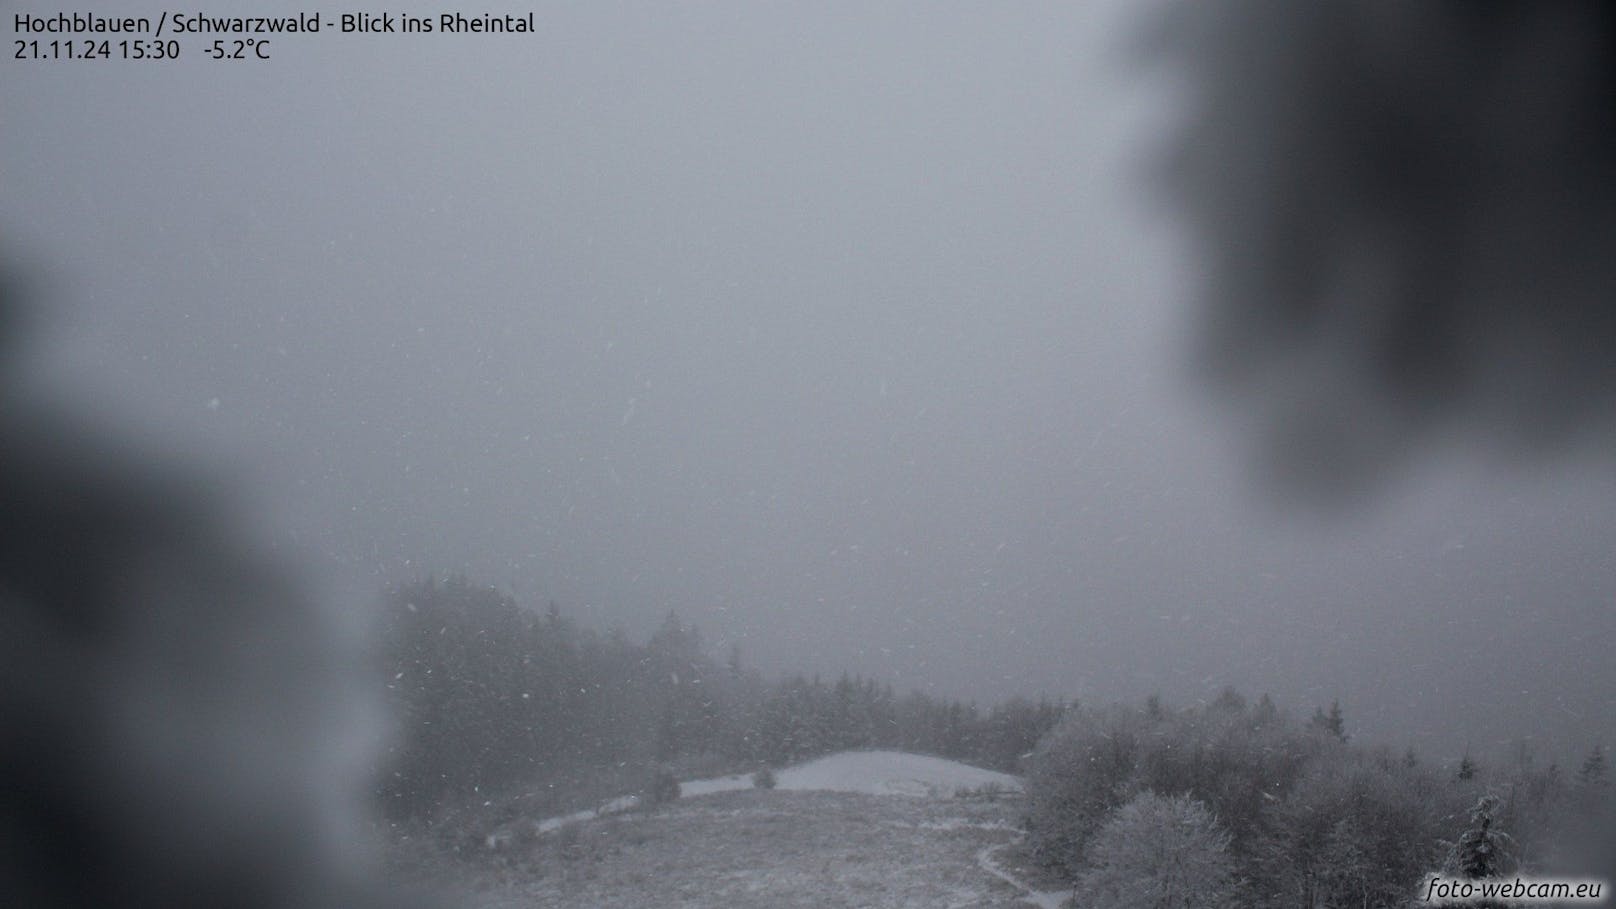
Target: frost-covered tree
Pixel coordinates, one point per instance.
(1349, 875)
(1239, 760)
(1483, 849)
(1082, 772)
(1356, 830)
(1160, 852)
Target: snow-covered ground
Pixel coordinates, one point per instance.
(861, 828)
(752, 849)
(892, 773)
(869, 772)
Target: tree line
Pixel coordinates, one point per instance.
(493, 698)
(1267, 811)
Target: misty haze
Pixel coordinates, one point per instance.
(811, 455)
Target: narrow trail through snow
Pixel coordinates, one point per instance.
(1044, 899)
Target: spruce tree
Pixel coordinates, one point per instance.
(1332, 722)
(1482, 850)
(1467, 768)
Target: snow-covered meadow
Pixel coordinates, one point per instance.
(857, 828)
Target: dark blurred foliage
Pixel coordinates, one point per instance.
(1405, 215)
(177, 710)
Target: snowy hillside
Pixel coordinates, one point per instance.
(892, 773)
(868, 772)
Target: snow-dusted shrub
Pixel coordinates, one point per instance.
(1162, 852)
(987, 792)
(664, 788)
(764, 779)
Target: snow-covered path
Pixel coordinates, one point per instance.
(1044, 899)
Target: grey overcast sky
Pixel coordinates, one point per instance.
(851, 332)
